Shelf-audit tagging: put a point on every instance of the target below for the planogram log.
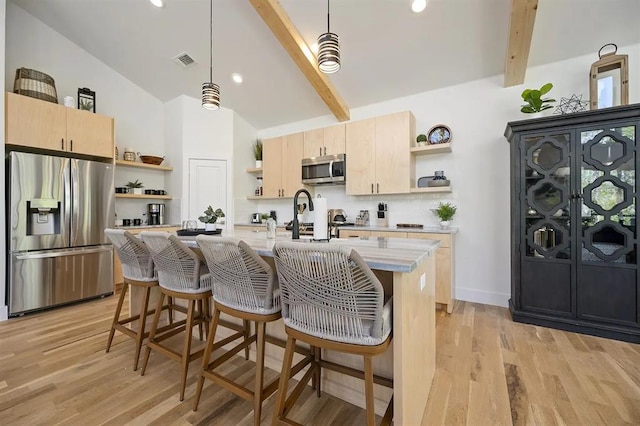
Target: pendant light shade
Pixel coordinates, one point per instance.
(210, 96)
(210, 90)
(329, 49)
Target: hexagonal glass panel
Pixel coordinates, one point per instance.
(546, 155)
(607, 151)
(607, 241)
(547, 197)
(545, 238)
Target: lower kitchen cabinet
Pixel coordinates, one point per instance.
(118, 279)
(444, 258)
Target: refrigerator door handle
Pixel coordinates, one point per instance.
(74, 252)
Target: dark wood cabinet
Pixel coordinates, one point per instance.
(574, 244)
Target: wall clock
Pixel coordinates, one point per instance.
(439, 134)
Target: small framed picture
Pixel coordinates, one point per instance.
(439, 134)
(86, 99)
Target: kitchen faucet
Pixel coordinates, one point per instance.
(296, 228)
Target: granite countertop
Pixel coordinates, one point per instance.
(385, 254)
(426, 229)
(258, 225)
(149, 226)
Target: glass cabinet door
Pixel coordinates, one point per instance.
(546, 195)
(608, 195)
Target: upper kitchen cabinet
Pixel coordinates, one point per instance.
(282, 159)
(378, 155)
(38, 124)
(325, 141)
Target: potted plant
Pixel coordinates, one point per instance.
(445, 213)
(534, 103)
(257, 153)
(264, 217)
(210, 218)
(135, 187)
(421, 140)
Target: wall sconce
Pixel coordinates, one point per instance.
(609, 80)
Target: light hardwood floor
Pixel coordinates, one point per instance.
(490, 371)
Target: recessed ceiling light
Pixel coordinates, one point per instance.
(418, 6)
(314, 48)
(236, 77)
(157, 3)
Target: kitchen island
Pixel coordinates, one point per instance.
(411, 360)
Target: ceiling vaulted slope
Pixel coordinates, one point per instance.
(387, 51)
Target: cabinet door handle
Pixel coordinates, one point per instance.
(62, 144)
(320, 151)
(378, 188)
(372, 188)
(71, 145)
(325, 150)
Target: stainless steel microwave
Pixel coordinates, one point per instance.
(328, 169)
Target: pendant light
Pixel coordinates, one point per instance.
(328, 49)
(210, 90)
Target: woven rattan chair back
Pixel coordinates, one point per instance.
(178, 266)
(329, 292)
(242, 279)
(134, 255)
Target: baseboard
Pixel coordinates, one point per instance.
(4, 313)
(481, 296)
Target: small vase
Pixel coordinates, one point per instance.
(258, 164)
(444, 224)
(210, 227)
(137, 191)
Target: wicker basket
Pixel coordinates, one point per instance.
(35, 84)
(151, 159)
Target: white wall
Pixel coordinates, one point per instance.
(139, 117)
(477, 113)
(244, 136)
(3, 249)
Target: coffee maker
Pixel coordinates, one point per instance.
(383, 215)
(156, 214)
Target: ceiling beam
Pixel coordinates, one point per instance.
(523, 16)
(281, 26)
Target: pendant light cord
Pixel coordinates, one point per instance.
(328, 15)
(211, 42)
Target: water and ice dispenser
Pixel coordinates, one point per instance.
(43, 216)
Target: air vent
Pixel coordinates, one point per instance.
(184, 60)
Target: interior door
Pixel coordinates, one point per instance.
(207, 187)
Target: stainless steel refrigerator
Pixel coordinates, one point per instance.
(57, 210)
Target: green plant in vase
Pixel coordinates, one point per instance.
(421, 140)
(257, 153)
(534, 102)
(210, 218)
(135, 187)
(445, 212)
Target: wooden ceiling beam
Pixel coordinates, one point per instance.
(281, 26)
(523, 16)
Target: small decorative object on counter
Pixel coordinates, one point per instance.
(258, 191)
(135, 187)
(210, 218)
(257, 153)
(117, 153)
(151, 159)
(264, 217)
(86, 99)
(571, 105)
(69, 102)
(609, 79)
(421, 140)
(445, 213)
(271, 228)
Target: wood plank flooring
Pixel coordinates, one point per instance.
(490, 371)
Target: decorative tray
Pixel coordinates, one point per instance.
(409, 225)
(200, 231)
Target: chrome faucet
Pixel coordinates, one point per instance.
(296, 226)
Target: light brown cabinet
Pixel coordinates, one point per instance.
(39, 124)
(378, 155)
(282, 171)
(444, 258)
(325, 141)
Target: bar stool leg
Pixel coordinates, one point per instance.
(257, 393)
(186, 349)
(144, 306)
(201, 310)
(247, 333)
(318, 373)
(152, 333)
(170, 310)
(368, 390)
(116, 316)
(279, 409)
(207, 356)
